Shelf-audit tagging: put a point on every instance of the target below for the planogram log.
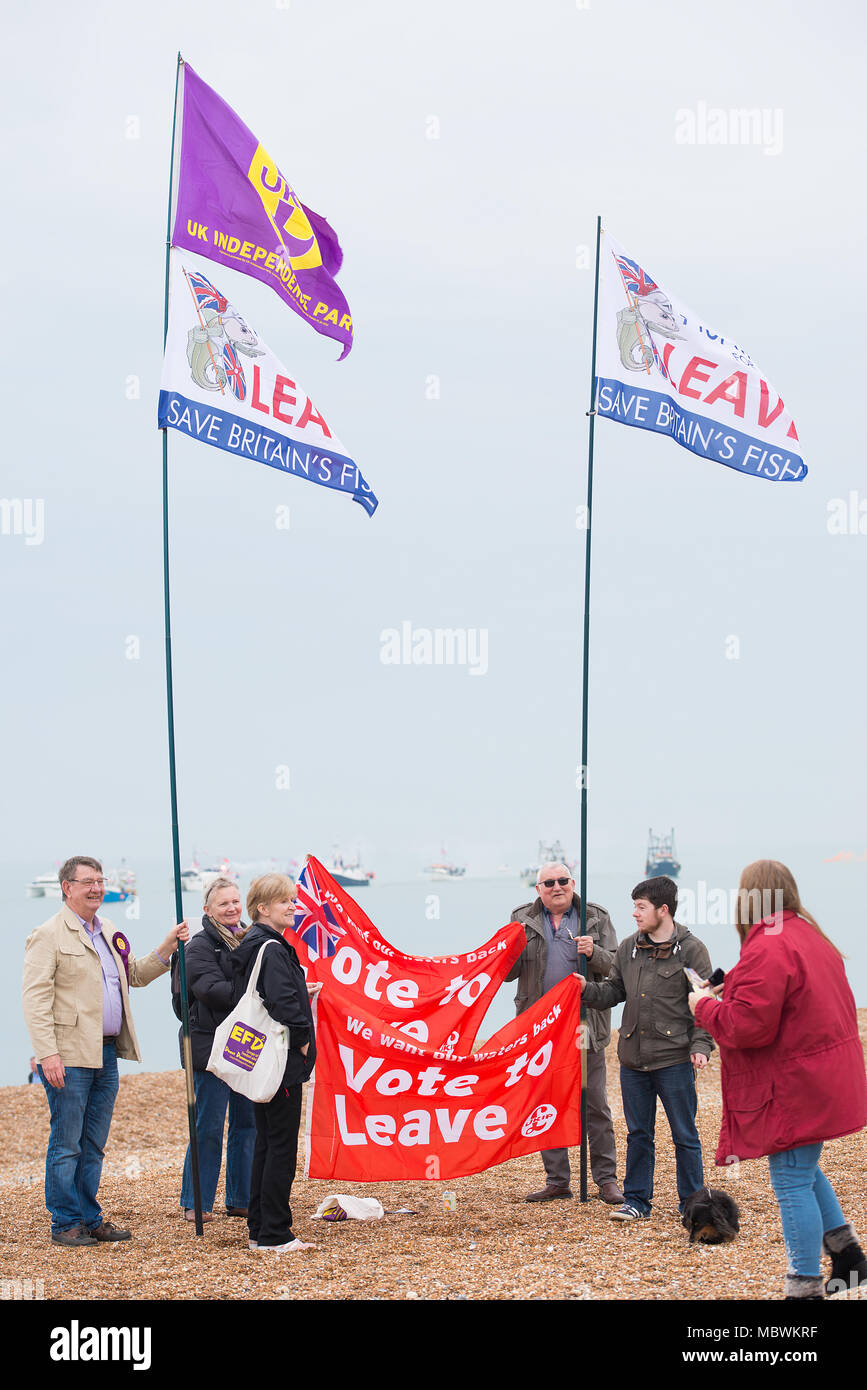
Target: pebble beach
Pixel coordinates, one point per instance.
(493, 1246)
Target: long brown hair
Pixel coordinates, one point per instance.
(767, 887)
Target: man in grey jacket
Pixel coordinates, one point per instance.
(552, 926)
(661, 1046)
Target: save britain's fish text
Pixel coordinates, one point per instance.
(700, 433)
(228, 432)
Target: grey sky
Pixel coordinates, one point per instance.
(466, 260)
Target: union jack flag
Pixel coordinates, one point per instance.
(204, 293)
(315, 923)
(234, 371)
(634, 279)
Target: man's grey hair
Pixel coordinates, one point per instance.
(216, 883)
(545, 871)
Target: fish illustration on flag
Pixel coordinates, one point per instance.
(649, 312)
(315, 923)
(659, 367)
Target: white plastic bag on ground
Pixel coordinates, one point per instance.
(341, 1207)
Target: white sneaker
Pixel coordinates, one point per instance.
(289, 1248)
(253, 1244)
(629, 1213)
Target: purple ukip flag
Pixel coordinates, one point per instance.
(234, 206)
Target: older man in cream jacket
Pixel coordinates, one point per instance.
(77, 973)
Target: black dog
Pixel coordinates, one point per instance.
(711, 1216)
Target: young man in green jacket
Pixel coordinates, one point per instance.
(660, 1046)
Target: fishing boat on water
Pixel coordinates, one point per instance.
(44, 886)
(196, 878)
(120, 885)
(349, 873)
(546, 854)
(442, 869)
(661, 856)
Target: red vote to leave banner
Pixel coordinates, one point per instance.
(383, 1108)
(438, 1001)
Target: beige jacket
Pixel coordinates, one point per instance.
(62, 991)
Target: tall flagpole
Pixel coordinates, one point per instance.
(170, 712)
(582, 960)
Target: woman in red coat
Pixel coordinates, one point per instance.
(792, 1069)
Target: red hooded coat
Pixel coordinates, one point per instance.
(792, 1062)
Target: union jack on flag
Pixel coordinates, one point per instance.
(204, 293)
(634, 279)
(315, 923)
(234, 371)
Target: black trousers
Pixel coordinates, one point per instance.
(274, 1159)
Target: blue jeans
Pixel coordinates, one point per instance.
(213, 1096)
(675, 1087)
(808, 1206)
(81, 1112)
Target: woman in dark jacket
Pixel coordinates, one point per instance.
(283, 990)
(211, 985)
(792, 1070)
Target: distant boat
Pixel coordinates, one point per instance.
(119, 885)
(349, 873)
(661, 856)
(44, 886)
(195, 879)
(546, 854)
(442, 870)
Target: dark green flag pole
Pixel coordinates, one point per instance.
(582, 960)
(170, 711)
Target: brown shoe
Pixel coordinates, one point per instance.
(549, 1193)
(106, 1231)
(73, 1235)
(609, 1192)
(190, 1215)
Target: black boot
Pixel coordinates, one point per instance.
(848, 1262)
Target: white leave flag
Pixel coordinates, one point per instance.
(660, 368)
(222, 385)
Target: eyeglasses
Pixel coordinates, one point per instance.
(549, 882)
(89, 882)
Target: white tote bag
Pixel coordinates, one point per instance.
(250, 1050)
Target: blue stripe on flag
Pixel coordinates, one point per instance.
(655, 411)
(238, 436)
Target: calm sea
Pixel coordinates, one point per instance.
(421, 918)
